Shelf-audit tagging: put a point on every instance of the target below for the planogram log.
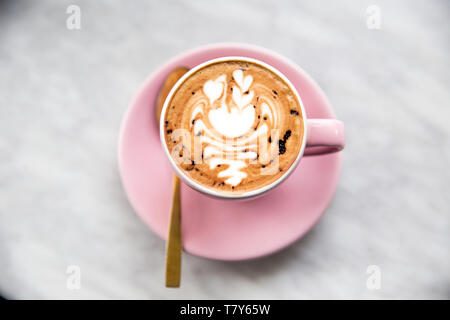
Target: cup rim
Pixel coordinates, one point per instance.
(211, 192)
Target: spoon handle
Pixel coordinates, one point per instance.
(174, 247)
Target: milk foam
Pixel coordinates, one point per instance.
(228, 135)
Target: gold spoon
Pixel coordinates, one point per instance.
(174, 246)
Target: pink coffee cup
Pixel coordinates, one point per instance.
(322, 136)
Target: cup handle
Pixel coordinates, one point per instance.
(324, 136)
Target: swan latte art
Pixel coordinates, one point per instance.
(233, 126)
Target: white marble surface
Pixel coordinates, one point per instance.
(63, 94)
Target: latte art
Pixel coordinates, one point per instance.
(228, 126)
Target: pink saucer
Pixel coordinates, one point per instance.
(225, 229)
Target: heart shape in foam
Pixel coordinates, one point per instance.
(232, 123)
(244, 83)
(213, 89)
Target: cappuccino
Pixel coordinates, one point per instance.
(233, 126)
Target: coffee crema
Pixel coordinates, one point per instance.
(234, 126)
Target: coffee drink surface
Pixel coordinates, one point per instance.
(234, 126)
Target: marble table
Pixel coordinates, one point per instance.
(63, 94)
